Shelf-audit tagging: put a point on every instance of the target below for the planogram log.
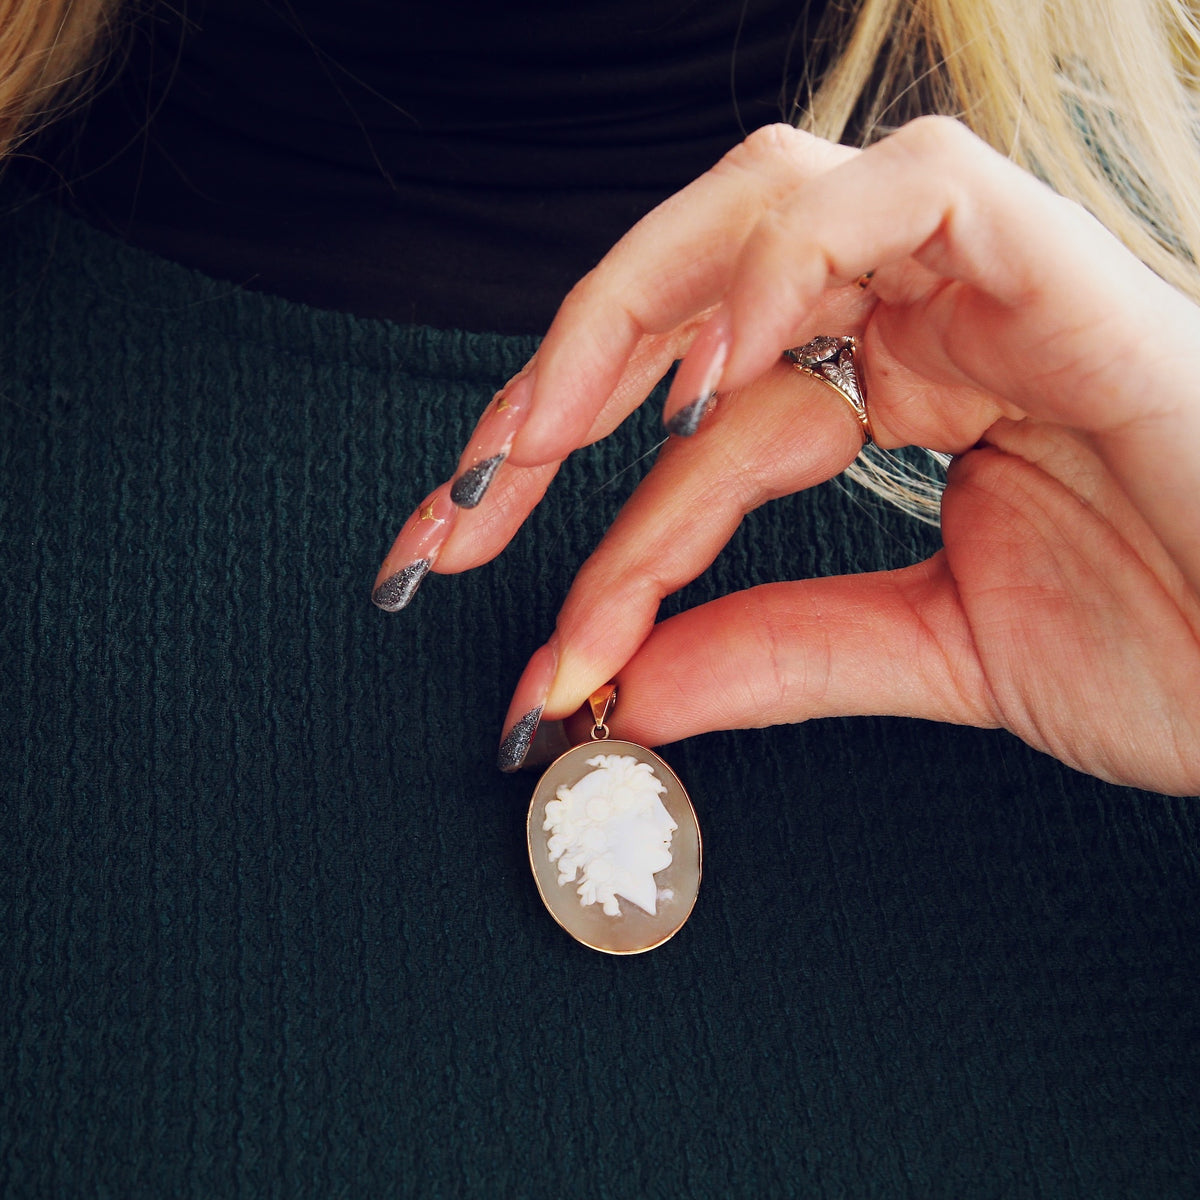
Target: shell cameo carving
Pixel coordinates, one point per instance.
(614, 846)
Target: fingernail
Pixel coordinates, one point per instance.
(468, 489)
(517, 741)
(694, 387)
(687, 420)
(491, 441)
(395, 593)
(414, 551)
(525, 711)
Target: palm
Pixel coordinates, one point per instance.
(1059, 612)
(1085, 639)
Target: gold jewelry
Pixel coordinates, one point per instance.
(613, 842)
(831, 360)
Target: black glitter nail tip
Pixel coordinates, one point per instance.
(516, 743)
(687, 420)
(468, 489)
(397, 592)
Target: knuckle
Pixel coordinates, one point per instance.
(944, 162)
(936, 144)
(603, 290)
(788, 680)
(935, 134)
(771, 141)
(578, 301)
(759, 482)
(783, 151)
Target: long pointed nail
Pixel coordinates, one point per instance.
(694, 387)
(687, 420)
(491, 441)
(468, 489)
(397, 592)
(525, 711)
(517, 741)
(414, 551)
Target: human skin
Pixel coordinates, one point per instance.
(1002, 325)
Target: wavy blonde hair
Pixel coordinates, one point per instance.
(1102, 106)
(48, 49)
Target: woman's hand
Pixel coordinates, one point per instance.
(1003, 325)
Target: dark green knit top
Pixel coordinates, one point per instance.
(267, 924)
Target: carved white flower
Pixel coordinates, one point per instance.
(612, 826)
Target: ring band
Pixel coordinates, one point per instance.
(831, 360)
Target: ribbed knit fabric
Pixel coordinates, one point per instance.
(266, 923)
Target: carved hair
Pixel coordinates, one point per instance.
(611, 829)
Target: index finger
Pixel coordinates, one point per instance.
(675, 263)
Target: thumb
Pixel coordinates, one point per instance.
(893, 643)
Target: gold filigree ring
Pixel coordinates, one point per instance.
(831, 360)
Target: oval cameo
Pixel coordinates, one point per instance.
(615, 846)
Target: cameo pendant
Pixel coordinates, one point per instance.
(613, 842)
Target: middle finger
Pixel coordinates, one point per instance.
(785, 433)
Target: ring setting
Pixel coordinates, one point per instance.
(831, 360)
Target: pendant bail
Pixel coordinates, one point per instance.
(601, 702)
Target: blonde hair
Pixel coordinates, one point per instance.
(1102, 106)
(48, 49)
